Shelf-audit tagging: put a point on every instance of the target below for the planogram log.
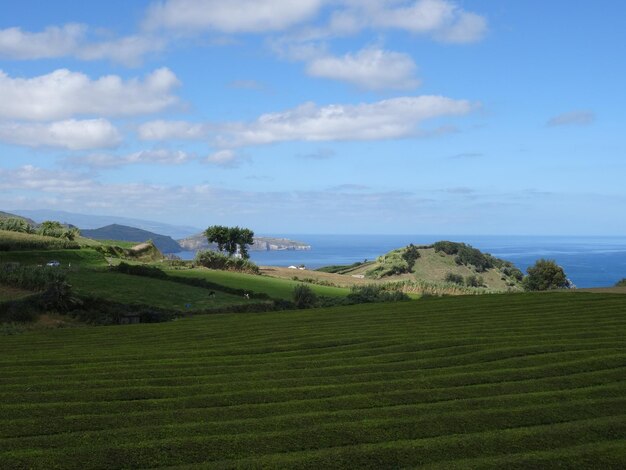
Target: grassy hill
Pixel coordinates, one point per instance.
(441, 263)
(164, 243)
(499, 381)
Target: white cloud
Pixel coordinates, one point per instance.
(54, 41)
(178, 130)
(128, 50)
(62, 94)
(371, 68)
(442, 19)
(79, 192)
(234, 16)
(386, 119)
(70, 134)
(225, 158)
(105, 160)
(71, 40)
(580, 118)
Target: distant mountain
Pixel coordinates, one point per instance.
(200, 242)
(85, 221)
(131, 234)
(7, 215)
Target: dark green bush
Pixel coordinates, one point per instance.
(374, 293)
(466, 255)
(621, 283)
(214, 260)
(304, 297)
(454, 278)
(411, 255)
(474, 281)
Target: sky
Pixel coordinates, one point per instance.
(319, 116)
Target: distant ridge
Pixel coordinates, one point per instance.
(164, 243)
(85, 221)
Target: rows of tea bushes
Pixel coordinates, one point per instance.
(498, 381)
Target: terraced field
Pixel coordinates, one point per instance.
(513, 381)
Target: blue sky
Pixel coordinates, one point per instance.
(319, 116)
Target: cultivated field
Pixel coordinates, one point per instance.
(274, 287)
(128, 289)
(495, 381)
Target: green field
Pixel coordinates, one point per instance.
(496, 381)
(84, 257)
(128, 289)
(274, 287)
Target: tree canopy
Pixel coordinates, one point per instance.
(230, 239)
(545, 274)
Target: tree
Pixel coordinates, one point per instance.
(410, 255)
(230, 239)
(545, 274)
(217, 234)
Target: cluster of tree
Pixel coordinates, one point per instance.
(466, 255)
(230, 239)
(305, 297)
(470, 281)
(621, 283)
(410, 255)
(16, 225)
(49, 228)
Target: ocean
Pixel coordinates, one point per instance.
(587, 261)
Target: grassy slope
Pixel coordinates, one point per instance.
(519, 381)
(274, 287)
(433, 267)
(130, 289)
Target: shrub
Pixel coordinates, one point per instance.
(545, 275)
(621, 283)
(304, 297)
(474, 281)
(454, 278)
(374, 293)
(466, 255)
(141, 270)
(512, 271)
(213, 260)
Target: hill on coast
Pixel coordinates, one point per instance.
(164, 243)
(441, 262)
